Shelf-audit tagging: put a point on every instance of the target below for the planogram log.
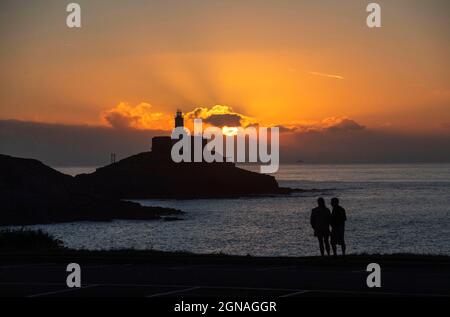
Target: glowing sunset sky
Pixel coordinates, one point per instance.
(276, 62)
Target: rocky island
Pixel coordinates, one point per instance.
(154, 175)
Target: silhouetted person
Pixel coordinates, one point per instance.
(320, 221)
(338, 218)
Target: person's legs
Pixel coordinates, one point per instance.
(333, 247)
(333, 243)
(320, 238)
(327, 244)
(343, 246)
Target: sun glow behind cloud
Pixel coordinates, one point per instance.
(230, 131)
(144, 117)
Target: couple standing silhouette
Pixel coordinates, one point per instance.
(321, 221)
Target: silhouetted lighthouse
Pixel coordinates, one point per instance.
(179, 121)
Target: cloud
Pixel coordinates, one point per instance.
(342, 124)
(327, 75)
(366, 146)
(68, 145)
(143, 117)
(285, 129)
(220, 116)
(140, 116)
(72, 145)
(331, 124)
(220, 120)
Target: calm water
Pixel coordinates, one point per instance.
(390, 208)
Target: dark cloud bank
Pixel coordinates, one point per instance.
(65, 145)
(70, 145)
(366, 146)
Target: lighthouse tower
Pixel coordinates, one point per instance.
(179, 121)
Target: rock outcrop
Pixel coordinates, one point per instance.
(31, 193)
(153, 175)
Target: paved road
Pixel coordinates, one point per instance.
(216, 280)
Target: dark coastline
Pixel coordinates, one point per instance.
(33, 193)
(154, 256)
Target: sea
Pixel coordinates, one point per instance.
(390, 209)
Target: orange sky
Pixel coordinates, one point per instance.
(278, 63)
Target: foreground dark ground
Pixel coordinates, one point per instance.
(183, 275)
